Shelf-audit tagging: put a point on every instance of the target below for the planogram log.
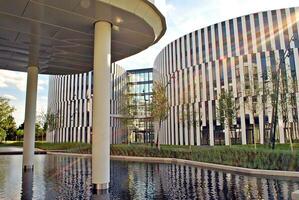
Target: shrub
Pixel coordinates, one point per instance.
(234, 156)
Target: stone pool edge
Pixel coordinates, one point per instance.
(287, 174)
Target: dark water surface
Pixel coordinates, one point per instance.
(62, 177)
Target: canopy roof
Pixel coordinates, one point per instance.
(57, 35)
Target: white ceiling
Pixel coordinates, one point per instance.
(57, 35)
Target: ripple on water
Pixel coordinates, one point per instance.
(62, 177)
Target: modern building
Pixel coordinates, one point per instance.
(240, 55)
(139, 88)
(71, 98)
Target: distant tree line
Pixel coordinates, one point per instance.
(8, 127)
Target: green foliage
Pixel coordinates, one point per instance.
(5, 111)
(128, 110)
(226, 108)
(20, 132)
(239, 156)
(10, 127)
(7, 122)
(48, 121)
(159, 106)
(2, 134)
(39, 131)
(65, 147)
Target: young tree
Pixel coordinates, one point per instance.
(287, 104)
(191, 119)
(47, 122)
(128, 110)
(226, 113)
(159, 107)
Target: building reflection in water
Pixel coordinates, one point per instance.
(63, 177)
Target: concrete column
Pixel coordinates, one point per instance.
(30, 115)
(101, 106)
(295, 195)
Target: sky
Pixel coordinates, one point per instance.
(182, 17)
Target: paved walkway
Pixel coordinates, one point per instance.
(17, 151)
(11, 149)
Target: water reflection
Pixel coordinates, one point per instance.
(61, 177)
(27, 185)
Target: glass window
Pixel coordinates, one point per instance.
(264, 65)
(232, 37)
(266, 29)
(275, 27)
(294, 27)
(249, 35)
(224, 38)
(240, 34)
(257, 32)
(217, 41)
(210, 43)
(203, 48)
(285, 28)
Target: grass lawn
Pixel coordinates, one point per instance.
(238, 155)
(63, 147)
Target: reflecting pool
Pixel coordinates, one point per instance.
(63, 177)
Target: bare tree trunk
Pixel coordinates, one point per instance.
(229, 135)
(296, 129)
(290, 135)
(254, 134)
(158, 135)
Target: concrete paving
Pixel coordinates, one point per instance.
(11, 149)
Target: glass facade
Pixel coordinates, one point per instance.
(139, 87)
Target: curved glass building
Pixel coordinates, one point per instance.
(241, 56)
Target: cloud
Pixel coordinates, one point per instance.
(10, 97)
(18, 80)
(12, 78)
(42, 84)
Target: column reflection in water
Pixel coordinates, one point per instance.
(64, 177)
(27, 185)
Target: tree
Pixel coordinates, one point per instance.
(5, 111)
(128, 110)
(159, 107)
(47, 122)
(2, 134)
(226, 112)
(20, 133)
(288, 52)
(10, 128)
(287, 104)
(39, 131)
(191, 119)
(7, 122)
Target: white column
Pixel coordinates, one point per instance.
(101, 108)
(30, 115)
